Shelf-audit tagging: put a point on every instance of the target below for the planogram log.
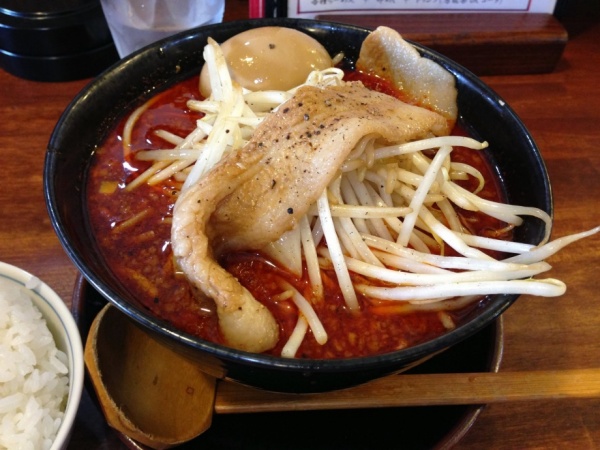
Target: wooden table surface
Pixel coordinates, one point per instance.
(562, 111)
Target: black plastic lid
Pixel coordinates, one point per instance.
(59, 68)
(52, 28)
(54, 40)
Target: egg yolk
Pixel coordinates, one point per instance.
(270, 58)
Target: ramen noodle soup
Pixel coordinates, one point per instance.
(345, 216)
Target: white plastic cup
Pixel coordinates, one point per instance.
(137, 23)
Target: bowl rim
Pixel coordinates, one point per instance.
(50, 303)
(164, 329)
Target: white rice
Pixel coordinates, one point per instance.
(33, 374)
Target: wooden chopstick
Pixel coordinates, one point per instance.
(420, 390)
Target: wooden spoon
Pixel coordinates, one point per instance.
(146, 391)
(160, 399)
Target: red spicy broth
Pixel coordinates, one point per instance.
(133, 232)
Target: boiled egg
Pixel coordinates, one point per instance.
(270, 58)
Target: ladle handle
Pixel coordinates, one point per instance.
(420, 390)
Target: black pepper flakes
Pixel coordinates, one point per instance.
(290, 210)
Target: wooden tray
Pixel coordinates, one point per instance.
(485, 43)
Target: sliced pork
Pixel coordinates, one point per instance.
(256, 194)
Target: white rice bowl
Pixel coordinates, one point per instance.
(41, 364)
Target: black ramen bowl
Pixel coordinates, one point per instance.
(512, 153)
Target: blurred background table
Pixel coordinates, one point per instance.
(562, 111)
